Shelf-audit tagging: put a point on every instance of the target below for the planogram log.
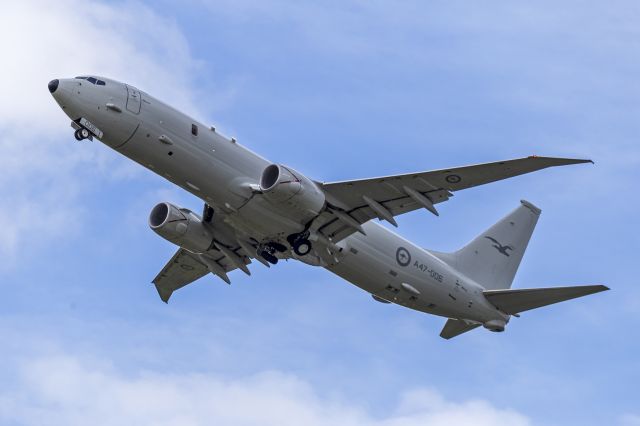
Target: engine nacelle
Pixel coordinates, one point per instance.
(285, 187)
(180, 226)
(495, 325)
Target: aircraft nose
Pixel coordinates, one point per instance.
(53, 85)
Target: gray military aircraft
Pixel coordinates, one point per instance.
(254, 209)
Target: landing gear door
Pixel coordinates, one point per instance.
(134, 100)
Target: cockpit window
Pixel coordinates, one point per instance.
(92, 80)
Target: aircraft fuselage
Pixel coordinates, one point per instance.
(225, 175)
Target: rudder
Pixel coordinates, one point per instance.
(494, 256)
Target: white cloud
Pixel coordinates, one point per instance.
(64, 390)
(44, 171)
(630, 420)
(125, 41)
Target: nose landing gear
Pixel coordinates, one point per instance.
(82, 134)
(84, 129)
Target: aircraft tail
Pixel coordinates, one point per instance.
(493, 257)
(514, 302)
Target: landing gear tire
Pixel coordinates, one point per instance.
(268, 257)
(82, 134)
(300, 243)
(273, 246)
(267, 251)
(302, 247)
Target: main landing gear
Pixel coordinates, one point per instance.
(82, 134)
(300, 243)
(268, 251)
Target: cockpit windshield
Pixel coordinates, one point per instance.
(92, 80)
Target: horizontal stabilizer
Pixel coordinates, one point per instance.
(514, 301)
(455, 327)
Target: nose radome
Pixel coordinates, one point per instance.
(53, 85)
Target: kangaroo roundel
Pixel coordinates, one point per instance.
(403, 257)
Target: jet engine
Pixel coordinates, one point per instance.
(285, 187)
(180, 226)
(495, 325)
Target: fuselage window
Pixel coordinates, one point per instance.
(194, 130)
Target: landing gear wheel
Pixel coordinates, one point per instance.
(300, 243)
(302, 247)
(268, 257)
(273, 246)
(82, 134)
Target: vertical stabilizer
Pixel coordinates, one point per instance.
(493, 257)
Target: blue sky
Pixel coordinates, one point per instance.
(337, 90)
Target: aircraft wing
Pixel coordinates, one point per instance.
(186, 267)
(355, 202)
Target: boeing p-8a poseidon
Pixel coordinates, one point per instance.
(254, 209)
